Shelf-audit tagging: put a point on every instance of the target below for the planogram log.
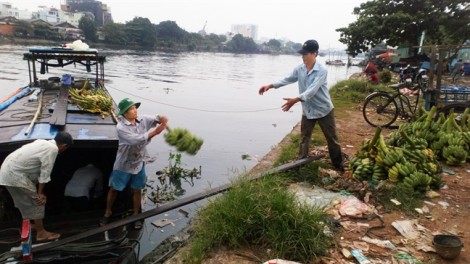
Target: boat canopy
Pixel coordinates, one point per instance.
(60, 57)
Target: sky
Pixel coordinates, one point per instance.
(295, 20)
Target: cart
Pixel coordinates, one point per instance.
(448, 98)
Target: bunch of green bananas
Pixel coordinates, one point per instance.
(379, 173)
(183, 140)
(92, 100)
(363, 169)
(392, 157)
(417, 181)
(455, 155)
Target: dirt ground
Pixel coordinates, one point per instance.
(446, 214)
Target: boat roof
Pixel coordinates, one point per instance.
(62, 52)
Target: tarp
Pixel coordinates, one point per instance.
(14, 98)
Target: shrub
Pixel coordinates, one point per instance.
(385, 76)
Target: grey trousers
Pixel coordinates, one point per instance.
(328, 127)
(25, 201)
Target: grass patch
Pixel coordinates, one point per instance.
(290, 151)
(262, 213)
(306, 173)
(347, 93)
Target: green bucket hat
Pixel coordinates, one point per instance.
(125, 104)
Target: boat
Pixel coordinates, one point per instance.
(39, 110)
(335, 62)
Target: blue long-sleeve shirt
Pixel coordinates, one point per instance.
(313, 90)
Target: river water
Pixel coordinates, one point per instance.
(213, 95)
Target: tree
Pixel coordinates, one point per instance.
(88, 26)
(274, 44)
(402, 22)
(217, 38)
(45, 32)
(23, 29)
(115, 33)
(170, 31)
(142, 32)
(240, 44)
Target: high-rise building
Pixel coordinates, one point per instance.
(246, 30)
(7, 9)
(101, 11)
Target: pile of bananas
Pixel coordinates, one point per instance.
(448, 137)
(183, 140)
(92, 100)
(412, 165)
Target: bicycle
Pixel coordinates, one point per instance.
(381, 109)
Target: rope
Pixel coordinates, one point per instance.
(38, 111)
(21, 114)
(196, 109)
(6, 242)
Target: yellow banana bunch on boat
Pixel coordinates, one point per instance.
(92, 100)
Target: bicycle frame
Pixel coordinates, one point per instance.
(403, 101)
(383, 108)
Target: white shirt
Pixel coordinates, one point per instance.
(30, 164)
(83, 180)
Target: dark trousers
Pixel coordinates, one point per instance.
(328, 127)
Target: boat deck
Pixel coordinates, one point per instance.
(85, 127)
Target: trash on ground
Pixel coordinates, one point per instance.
(162, 222)
(314, 195)
(432, 194)
(406, 228)
(361, 246)
(429, 203)
(328, 173)
(354, 207)
(346, 253)
(417, 235)
(408, 258)
(443, 204)
(183, 212)
(446, 170)
(395, 201)
(280, 261)
(381, 243)
(360, 257)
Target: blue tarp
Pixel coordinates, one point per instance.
(14, 98)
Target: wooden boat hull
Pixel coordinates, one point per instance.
(95, 139)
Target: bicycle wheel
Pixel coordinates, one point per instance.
(380, 110)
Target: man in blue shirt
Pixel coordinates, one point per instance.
(316, 102)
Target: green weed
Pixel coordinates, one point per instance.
(262, 213)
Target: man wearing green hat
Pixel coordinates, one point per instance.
(134, 133)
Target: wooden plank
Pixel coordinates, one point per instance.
(59, 116)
